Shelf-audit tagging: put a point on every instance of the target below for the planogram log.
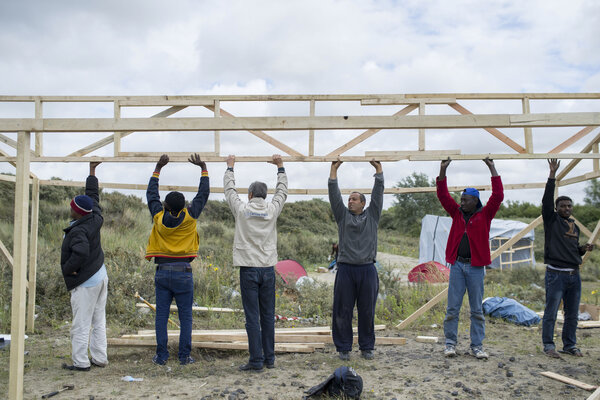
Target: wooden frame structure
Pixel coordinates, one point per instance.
(411, 114)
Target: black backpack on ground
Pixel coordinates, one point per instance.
(344, 383)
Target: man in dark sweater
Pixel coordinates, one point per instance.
(82, 264)
(562, 255)
(356, 281)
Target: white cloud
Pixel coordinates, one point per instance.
(262, 47)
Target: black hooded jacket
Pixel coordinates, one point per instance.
(81, 251)
(561, 245)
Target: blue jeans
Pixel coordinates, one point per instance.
(463, 277)
(169, 285)
(565, 287)
(258, 297)
(354, 284)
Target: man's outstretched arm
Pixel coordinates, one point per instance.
(548, 198)
(91, 187)
(231, 194)
(152, 195)
(335, 197)
(376, 204)
(281, 189)
(201, 197)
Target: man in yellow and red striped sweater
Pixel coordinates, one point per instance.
(174, 244)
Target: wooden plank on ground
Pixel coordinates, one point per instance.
(427, 339)
(280, 338)
(196, 308)
(316, 330)
(279, 347)
(567, 380)
(588, 324)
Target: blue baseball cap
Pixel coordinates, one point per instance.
(475, 193)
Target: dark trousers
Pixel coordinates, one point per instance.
(568, 288)
(169, 285)
(258, 297)
(354, 284)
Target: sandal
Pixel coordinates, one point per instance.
(574, 351)
(552, 353)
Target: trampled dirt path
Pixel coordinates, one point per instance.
(413, 371)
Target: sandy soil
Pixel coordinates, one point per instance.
(413, 371)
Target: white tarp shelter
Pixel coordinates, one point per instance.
(434, 236)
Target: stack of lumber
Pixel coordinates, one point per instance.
(287, 340)
(560, 318)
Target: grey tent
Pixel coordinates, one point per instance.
(434, 235)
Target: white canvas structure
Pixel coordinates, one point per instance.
(434, 236)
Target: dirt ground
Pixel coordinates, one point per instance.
(413, 371)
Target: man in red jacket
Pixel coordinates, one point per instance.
(468, 252)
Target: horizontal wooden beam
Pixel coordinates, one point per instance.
(301, 97)
(292, 191)
(299, 123)
(580, 178)
(403, 101)
(524, 156)
(408, 153)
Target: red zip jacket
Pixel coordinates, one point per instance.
(478, 230)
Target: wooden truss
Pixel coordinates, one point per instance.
(410, 114)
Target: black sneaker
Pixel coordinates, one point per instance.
(368, 354)
(344, 355)
(270, 366)
(187, 360)
(158, 361)
(74, 368)
(249, 367)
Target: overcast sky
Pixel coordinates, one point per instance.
(281, 47)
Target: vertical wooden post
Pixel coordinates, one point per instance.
(311, 132)
(117, 135)
(39, 136)
(217, 133)
(33, 239)
(17, 318)
(528, 135)
(421, 130)
(596, 162)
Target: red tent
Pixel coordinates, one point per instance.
(290, 270)
(431, 271)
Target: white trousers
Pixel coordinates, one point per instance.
(88, 305)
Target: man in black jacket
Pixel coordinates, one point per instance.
(82, 264)
(562, 255)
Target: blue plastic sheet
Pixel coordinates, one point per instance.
(510, 310)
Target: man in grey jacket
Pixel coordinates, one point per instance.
(255, 252)
(356, 280)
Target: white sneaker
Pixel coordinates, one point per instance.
(450, 351)
(479, 353)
